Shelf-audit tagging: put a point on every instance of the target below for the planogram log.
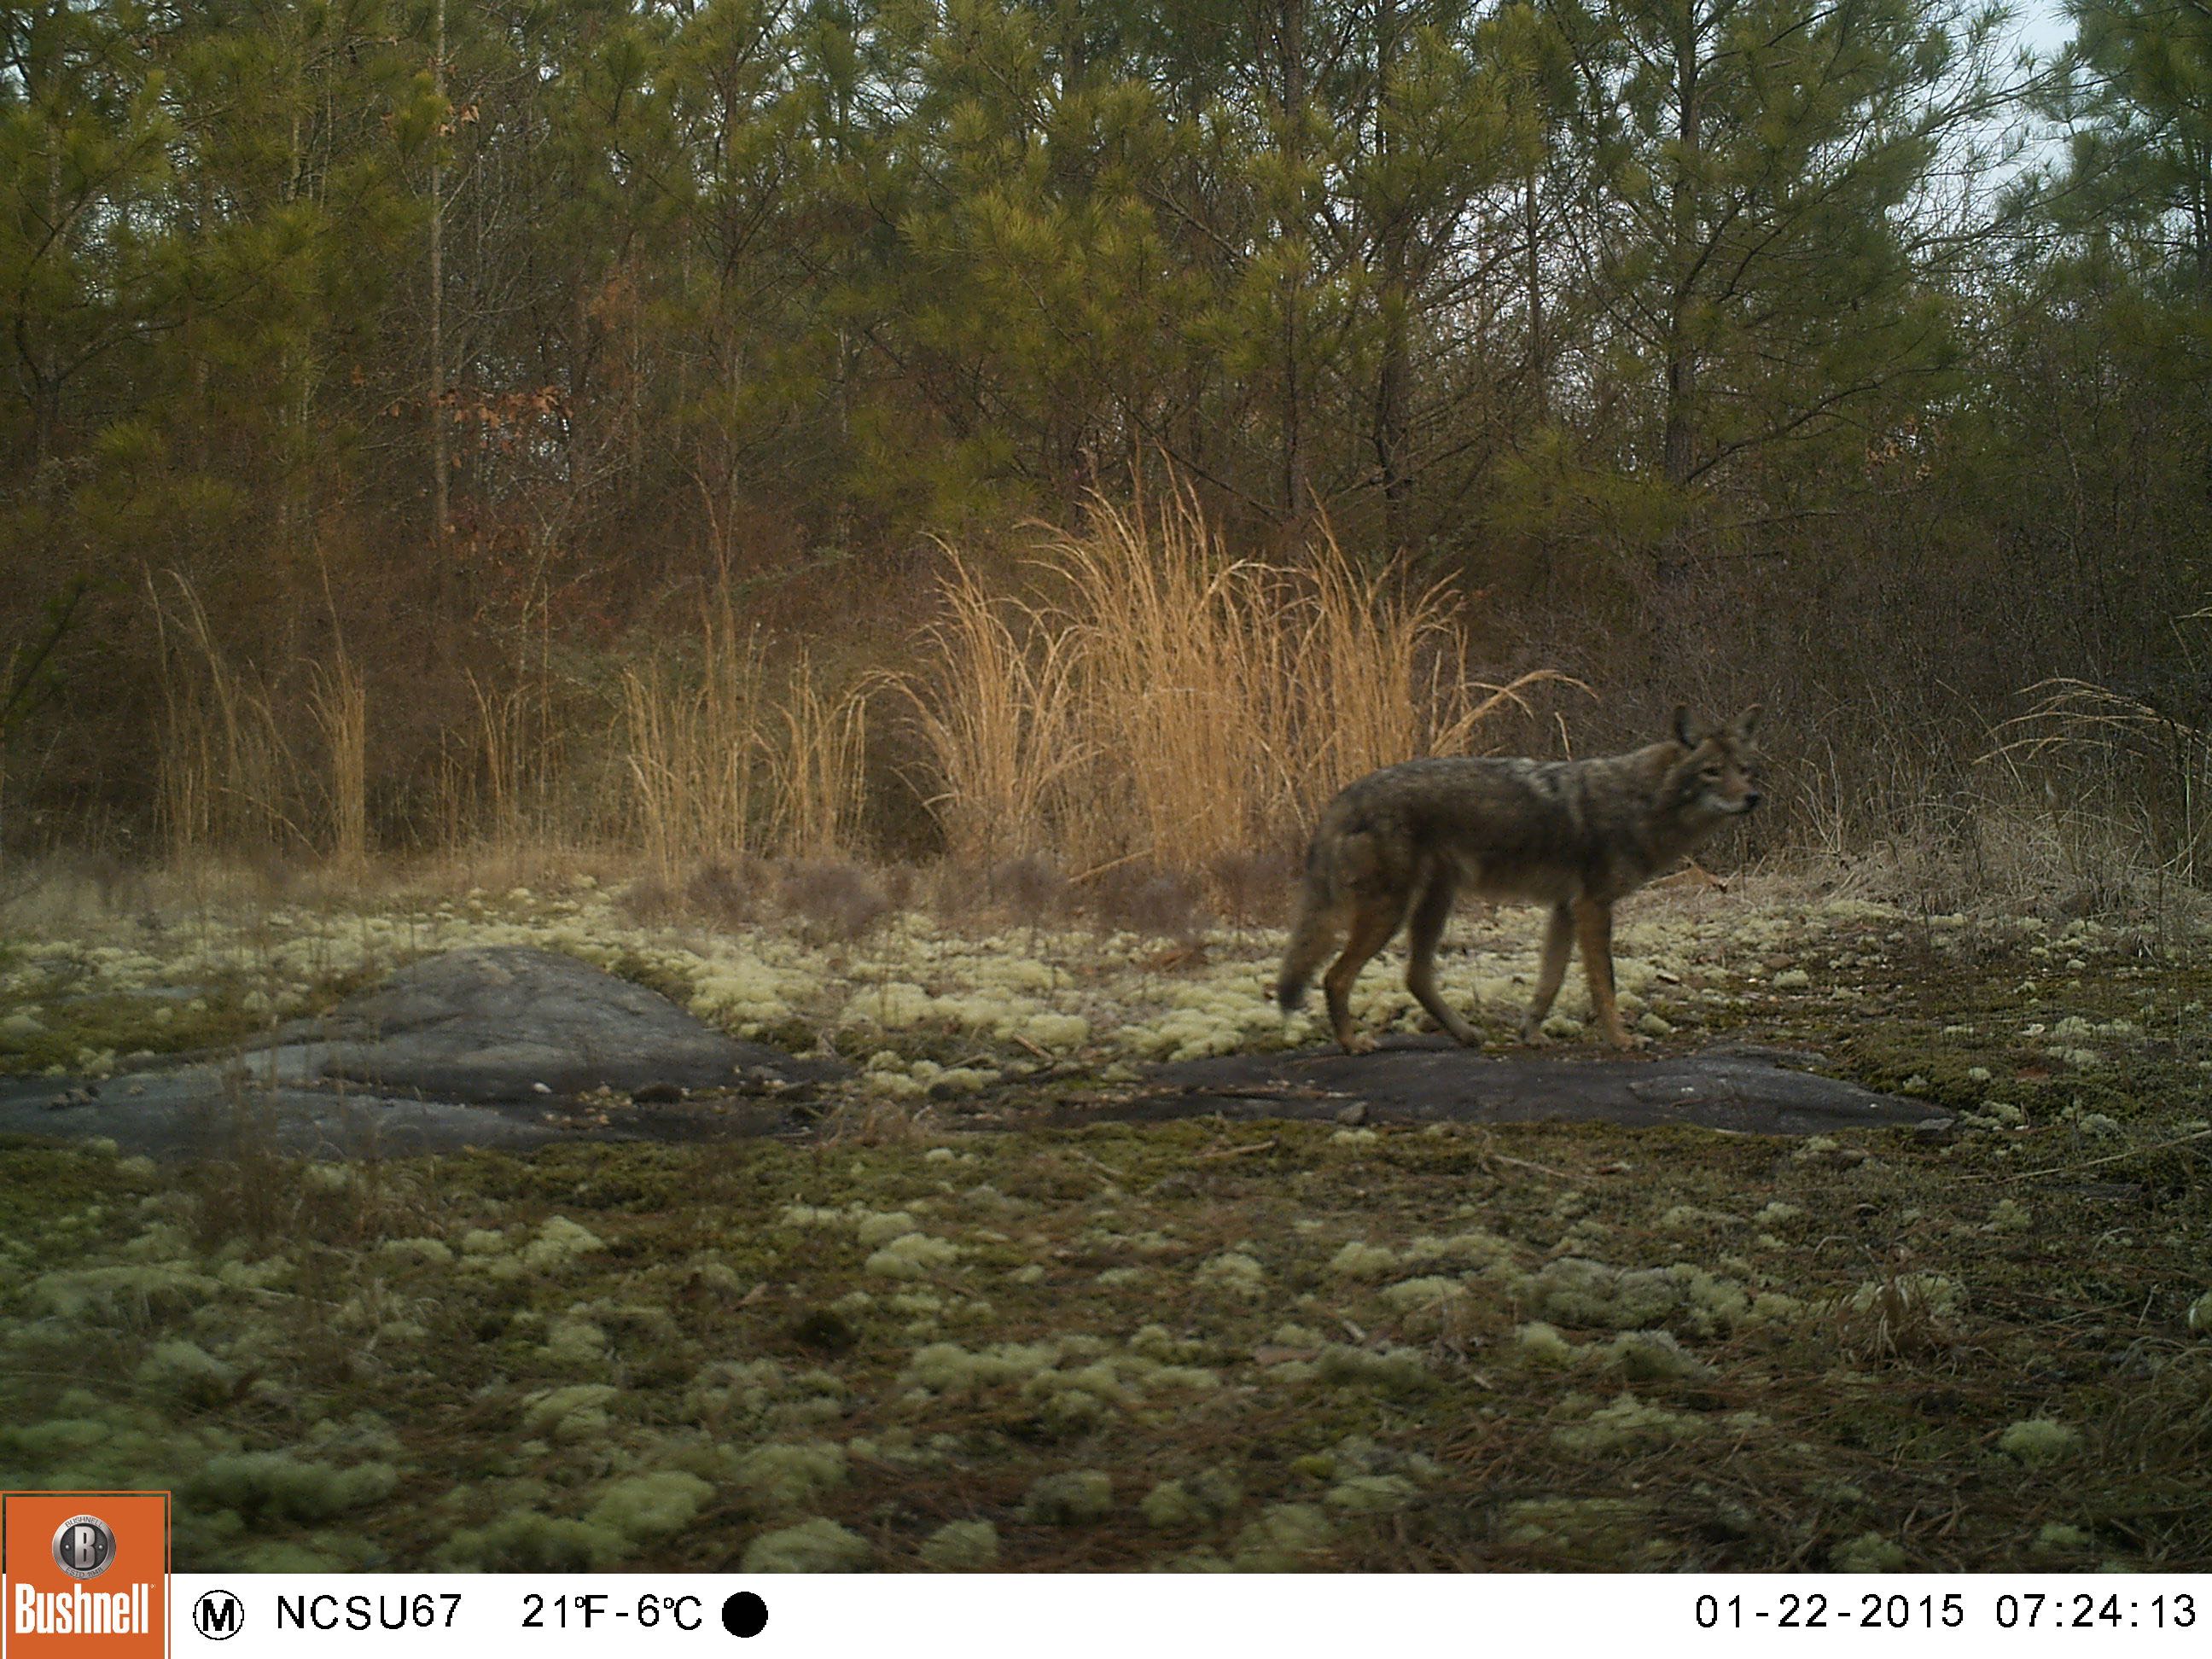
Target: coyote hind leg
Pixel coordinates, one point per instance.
(1374, 919)
(1428, 928)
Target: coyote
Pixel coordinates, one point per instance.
(1577, 835)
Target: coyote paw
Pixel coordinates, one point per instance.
(1534, 1037)
(1356, 1042)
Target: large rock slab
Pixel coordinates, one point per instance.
(1430, 1079)
(508, 1023)
(503, 1046)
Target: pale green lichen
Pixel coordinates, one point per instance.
(643, 1507)
(429, 1252)
(1392, 1369)
(786, 1475)
(1575, 1291)
(1868, 1553)
(141, 1291)
(881, 1229)
(1199, 1500)
(1473, 1249)
(2040, 1440)
(1371, 1494)
(1628, 1424)
(962, 1547)
(559, 1241)
(574, 1411)
(1284, 1539)
(1235, 1273)
(575, 1343)
(1609, 1532)
(1543, 1345)
(946, 1367)
(912, 1256)
(276, 1484)
(1073, 1499)
(1434, 1291)
(817, 1546)
(1360, 1260)
(1655, 1356)
(523, 1540)
(1931, 1293)
(186, 1369)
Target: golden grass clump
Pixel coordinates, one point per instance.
(714, 767)
(337, 701)
(1166, 701)
(818, 772)
(999, 717)
(693, 752)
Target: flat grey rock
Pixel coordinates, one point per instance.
(502, 1046)
(508, 1023)
(1431, 1080)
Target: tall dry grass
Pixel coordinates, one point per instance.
(2118, 760)
(2089, 802)
(1166, 701)
(499, 799)
(712, 766)
(223, 778)
(692, 752)
(228, 777)
(998, 717)
(706, 762)
(338, 703)
(818, 771)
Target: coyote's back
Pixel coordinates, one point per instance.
(1573, 836)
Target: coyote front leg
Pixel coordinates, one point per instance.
(1558, 939)
(1593, 924)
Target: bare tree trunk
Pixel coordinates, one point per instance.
(1681, 435)
(1291, 46)
(1539, 356)
(441, 463)
(1391, 422)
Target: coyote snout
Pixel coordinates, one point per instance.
(1575, 836)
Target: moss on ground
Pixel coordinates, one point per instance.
(1197, 1345)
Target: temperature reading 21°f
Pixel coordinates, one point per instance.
(593, 1611)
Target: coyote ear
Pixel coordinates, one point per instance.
(1746, 721)
(1682, 734)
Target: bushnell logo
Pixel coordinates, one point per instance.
(84, 1547)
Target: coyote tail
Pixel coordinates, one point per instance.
(1312, 934)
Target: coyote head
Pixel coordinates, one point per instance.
(1718, 774)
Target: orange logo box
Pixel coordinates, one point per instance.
(85, 1575)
